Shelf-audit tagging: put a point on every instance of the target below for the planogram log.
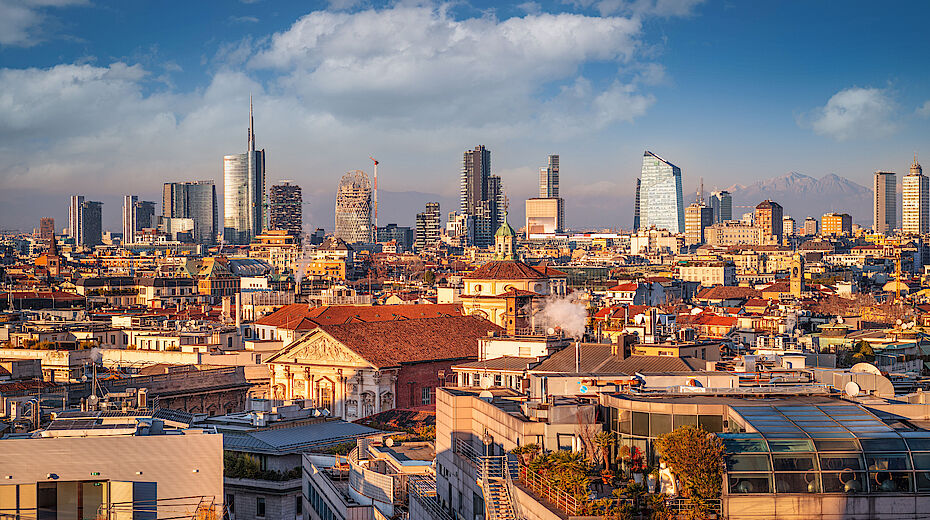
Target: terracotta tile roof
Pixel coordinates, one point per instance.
(717, 321)
(505, 270)
(756, 302)
(726, 292)
(297, 316)
(778, 287)
(631, 286)
(392, 343)
(517, 292)
(547, 271)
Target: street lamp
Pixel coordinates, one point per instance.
(488, 440)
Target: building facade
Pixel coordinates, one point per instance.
(195, 201)
(75, 212)
(91, 231)
(769, 217)
(549, 179)
(244, 192)
(836, 224)
(698, 217)
(811, 226)
(353, 208)
(428, 227)
(885, 210)
(545, 215)
(482, 194)
(137, 215)
(660, 200)
(722, 204)
(915, 204)
(286, 208)
(46, 228)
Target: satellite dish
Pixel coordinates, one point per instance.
(865, 368)
(485, 394)
(486, 382)
(839, 319)
(898, 322)
(852, 389)
(550, 331)
(389, 442)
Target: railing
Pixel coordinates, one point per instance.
(543, 488)
(495, 473)
(423, 490)
(681, 505)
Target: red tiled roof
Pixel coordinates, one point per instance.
(778, 287)
(726, 292)
(516, 292)
(625, 287)
(297, 316)
(717, 321)
(756, 302)
(386, 344)
(545, 270)
(506, 270)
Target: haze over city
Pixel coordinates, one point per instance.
(111, 97)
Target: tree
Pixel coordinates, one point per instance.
(696, 458)
(604, 441)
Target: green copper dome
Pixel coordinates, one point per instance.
(505, 230)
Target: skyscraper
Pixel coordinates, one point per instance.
(549, 179)
(660, 200)
(698, 217)
(482, 194)
(546, 213)
(769, 216)
(137, 215)
(885, 209)
(636, 206)
(428, 227)
(811, 226)
(75, 225)
(244, 191)
(722, 204)
(915, 201)
(196, 201)
(91, 223)
(46, 228)
(353, 208)
(286, 208)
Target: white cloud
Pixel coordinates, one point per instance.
(21, 21)
(243, 19)
(420, 66)
(924, 110)
(855, 113)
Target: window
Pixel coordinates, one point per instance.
(231, 503)
(260, 506)
(298, 505)
(427, 395)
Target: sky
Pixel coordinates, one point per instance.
(107, 98)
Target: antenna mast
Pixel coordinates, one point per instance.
(375, 197)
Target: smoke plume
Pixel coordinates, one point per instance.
(567, 312)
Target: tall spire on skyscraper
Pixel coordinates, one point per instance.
(251, 126)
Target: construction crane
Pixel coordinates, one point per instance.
(374, 198)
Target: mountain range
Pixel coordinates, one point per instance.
(804, 196)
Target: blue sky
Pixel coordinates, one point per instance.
(110, 97)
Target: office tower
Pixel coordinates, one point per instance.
(91, 223)
(460, 229)
(660, 201)
(46, 228)
(74, 218)
(428, 227)
(244, 191)
(286, 208)
(636, 207)
(402, 235)
(768, 216)
(482, 194)
(353, 208)
(137, 215)
(546, 214)
(698, 217)
(811, 227)
(196, 201)
(836, 224)
(722, 204)
(915, 203)
(789, 226)
(549, 179)
(885, 208)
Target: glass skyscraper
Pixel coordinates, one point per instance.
(196, 201)
(244, 192)
(660, 202)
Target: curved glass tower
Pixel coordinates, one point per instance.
(660, 200)
(244, 192)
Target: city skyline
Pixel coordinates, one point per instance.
(637, 75)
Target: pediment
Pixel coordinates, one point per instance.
(321, 349)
